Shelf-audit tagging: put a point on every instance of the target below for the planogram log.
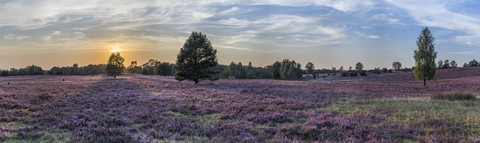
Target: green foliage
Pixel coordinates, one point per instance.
(196, 58)
(290, 70)
(397, 66)
(115, 65)
(425, 57)
(164, 68)
(276, 70)
(453, 64)
(453, 96)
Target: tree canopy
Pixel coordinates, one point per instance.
(196, 58)
(425, 57)
(115, 65)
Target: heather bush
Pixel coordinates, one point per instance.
(453, 96)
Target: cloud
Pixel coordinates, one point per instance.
(435, 13)
(14, 37)
(341, 5)
(373, 37)
(365, 35)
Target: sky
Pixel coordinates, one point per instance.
(328, 33)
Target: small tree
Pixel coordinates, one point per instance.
(446, 64)
(132, 68)
(453, 64)
(465, 65)
(196, 58)
(359, 66)
(309, 68)
(425, 57)
(473, 63)
(440, 64)
(396, 66)
(115, 65)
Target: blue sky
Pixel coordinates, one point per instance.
(326, 32)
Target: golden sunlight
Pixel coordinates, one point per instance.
(116, 50)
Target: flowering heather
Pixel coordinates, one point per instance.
(155, 109)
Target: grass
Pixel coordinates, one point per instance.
(51, 136)
(413, 110)
(453, 96)
(209, 119)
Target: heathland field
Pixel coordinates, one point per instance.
(390, 107)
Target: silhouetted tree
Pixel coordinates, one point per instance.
(425, 57)
(75, 69)
(196, 58)
(446, 64)
(309, 68)
(115, 65)
(164, 69)
(359, 66)
(453, 64)
(473, 63)
(396, 66)
(440, 64)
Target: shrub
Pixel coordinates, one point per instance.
(363, 73)
(344, 74)
(353, 73)
(454, 96)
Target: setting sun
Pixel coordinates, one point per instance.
(116, 50)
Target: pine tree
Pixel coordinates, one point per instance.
(115, 65)
(425, 57)
(196, 58)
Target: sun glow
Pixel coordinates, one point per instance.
(116, 50)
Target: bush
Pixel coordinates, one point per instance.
(353, 73)
(454, 96)
(349, 73)
(363, 73)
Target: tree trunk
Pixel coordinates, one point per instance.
(424, 82)
(196, 81)
(114, 77)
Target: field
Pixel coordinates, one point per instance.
(378, 108)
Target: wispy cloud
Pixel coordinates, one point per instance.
(435, 13)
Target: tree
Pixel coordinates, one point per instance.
(465, 65)
(196, 58)
(425, 57)
(276, 70)
(453, 64)
(115, 65)
(309, 68)
(473, 63)
(75, 69)
(132, 68)
(440, 64)
(359, 66)
(446, 64)
(396, 66)
(164, 69)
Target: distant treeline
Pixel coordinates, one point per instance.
(286, 69)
